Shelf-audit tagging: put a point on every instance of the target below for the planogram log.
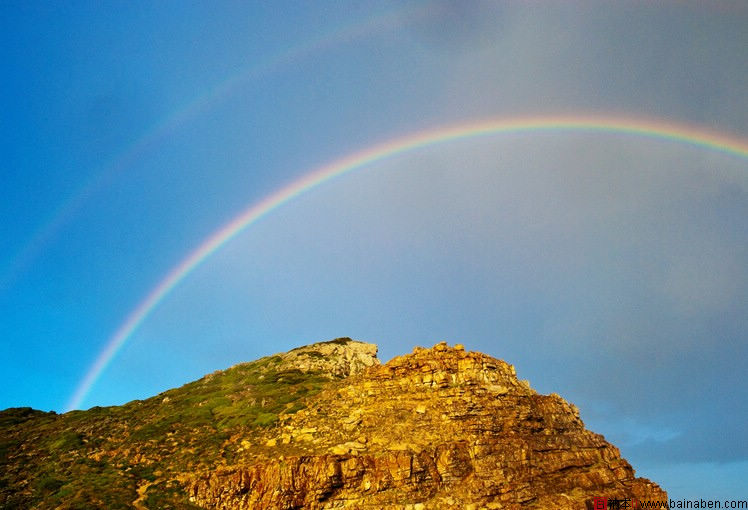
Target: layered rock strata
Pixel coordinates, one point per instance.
(439, 428)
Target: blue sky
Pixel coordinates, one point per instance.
(610, 269)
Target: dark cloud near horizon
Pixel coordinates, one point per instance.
(723, 441)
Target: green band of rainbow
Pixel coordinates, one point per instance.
(679, 133)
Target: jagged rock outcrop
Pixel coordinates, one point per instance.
(341, 357)
(439, 428)
(333, 359)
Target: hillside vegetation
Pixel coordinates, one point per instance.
(110, 457)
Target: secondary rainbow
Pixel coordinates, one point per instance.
(180, 117)
(677, 133)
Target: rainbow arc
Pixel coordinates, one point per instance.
(659, 130)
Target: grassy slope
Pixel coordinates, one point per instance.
(100, 457)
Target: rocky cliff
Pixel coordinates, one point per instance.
(439, 428)
(322, 426)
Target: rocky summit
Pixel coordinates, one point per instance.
(320, 427)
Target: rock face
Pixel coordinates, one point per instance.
(320, 427)
(338, 358)
(439, 428)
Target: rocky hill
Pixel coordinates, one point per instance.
(322, 426)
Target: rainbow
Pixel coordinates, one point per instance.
(654, 129)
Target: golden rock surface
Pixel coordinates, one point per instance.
(440, 428)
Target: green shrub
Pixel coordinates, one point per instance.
(265, 419)
(69, 440)
(48, 484)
